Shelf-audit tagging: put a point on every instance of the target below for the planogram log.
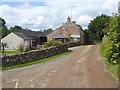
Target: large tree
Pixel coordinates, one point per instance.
(98, 27)
(3, 29)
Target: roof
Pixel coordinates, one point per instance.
(22, 35)
(60, 36)
(65, 24)
(30, 33)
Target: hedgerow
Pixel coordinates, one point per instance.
(111, 43)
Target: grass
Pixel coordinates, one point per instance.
(37, 61)
(9, 52)
(112, 68)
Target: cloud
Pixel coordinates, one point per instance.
(55, 12)
(83, 20)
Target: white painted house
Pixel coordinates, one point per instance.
(25, 37)
(15, 39)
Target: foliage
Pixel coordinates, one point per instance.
(21, 48)
(51, 43)
(98, 27)
(111, 43)
(12, 29)
(5, 30)
(27, 49)
(114, 69)
(47, 31)
(3, 46)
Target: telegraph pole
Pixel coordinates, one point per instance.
(71, 12)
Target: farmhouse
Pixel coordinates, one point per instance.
(69, 32)
(27, 38)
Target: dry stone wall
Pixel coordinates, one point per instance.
(32, 56)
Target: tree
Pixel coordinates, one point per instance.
(3, 29)
(47, 31)
(2, 21)
(3, 46)
(98, 27)
(12, 29)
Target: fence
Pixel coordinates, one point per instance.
(32, 56)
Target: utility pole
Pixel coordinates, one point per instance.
(71, 12)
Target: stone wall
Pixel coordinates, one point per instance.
(72, 44)
(32, 56)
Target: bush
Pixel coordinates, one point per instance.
(52, 43)
(111, 43)
(27, 49)
(21, 48)
(3, 45)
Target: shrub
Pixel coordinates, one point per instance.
(27, 49)
(3, 45)
(52, 43)
(111, 43)
(21, 48)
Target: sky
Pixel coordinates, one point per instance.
(43, 14)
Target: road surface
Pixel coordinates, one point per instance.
(83, 68)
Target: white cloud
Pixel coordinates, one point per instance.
(54, 13)
(84, 20)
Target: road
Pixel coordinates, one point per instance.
(83, 68)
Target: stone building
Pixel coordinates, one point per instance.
(69, 32)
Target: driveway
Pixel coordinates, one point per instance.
(83, 68)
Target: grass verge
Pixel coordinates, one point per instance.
(112, 68)
(9, 52)
(37, 61)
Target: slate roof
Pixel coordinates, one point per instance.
(22, 35)
(32, 33)
(28, 34)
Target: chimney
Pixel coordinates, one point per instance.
(68, 19)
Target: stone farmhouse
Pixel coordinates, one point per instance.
(27, 38)
(69, 32)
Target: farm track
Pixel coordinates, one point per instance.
(83, 68)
